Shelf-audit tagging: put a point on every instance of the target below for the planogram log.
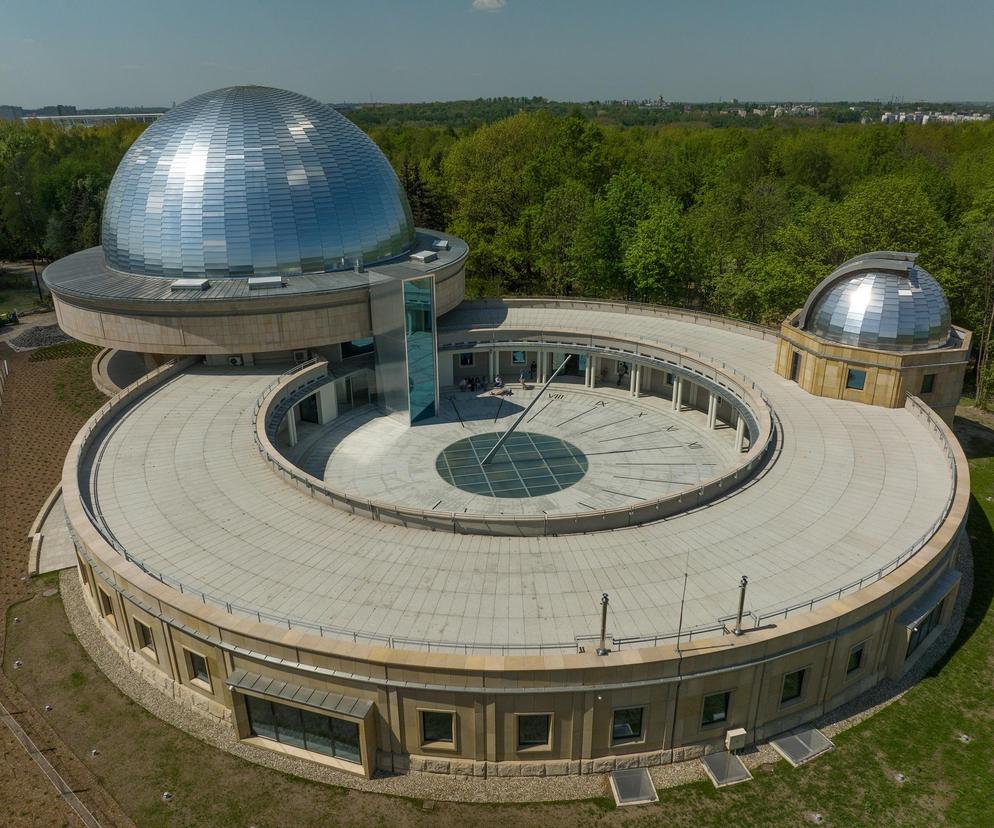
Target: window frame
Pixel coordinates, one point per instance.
(629, 740)
(437, 744)
(932, 620)
(728, 707)
(335, 755)
(150, 648)
(537, 747)
(861, 648)
(462, 359)
(194, 679)
(851, 375)
(106, 606)
(83, 574)
(802, 686)
(929, 381)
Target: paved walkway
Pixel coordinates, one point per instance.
(57, 550)
(181, 485)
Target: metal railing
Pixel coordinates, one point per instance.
(100, 420)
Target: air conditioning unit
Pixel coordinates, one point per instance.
(735, 739)
(299, 357)
(235, 360)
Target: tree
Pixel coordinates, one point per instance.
(656, 257)
(604, 231)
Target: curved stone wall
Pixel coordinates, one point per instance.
(742, 395)
(486, 695)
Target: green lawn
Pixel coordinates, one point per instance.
(19, 299)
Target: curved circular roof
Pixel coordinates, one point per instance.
(882, 301)
(253, 181)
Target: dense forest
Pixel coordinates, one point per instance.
(737, 221)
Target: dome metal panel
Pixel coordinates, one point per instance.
(253, 181)
(881, 305)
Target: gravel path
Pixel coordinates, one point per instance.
(470, 789)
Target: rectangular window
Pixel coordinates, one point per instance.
(793, 686)
(627, 725)
(82, 571)
(533, 729)
(855, 379)
(855, 658)
(924, 627)
(106, 605)
(795, 365)
(198, 667)
(928, 383)
(143, 633)
(466, 360)
(437, 726)
(517, 357)
(715, 708)
(303, 729)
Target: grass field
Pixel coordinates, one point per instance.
(948, 781)
(19, 299)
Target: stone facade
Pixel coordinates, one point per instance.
(822, 368)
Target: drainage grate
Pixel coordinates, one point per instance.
(725, 769)
(801, 746)
(633, 786)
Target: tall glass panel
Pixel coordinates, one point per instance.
(291, 730)
(261, 719)
(419, 321)
(346, 736)
(318, 731)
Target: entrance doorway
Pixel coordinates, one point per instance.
(795, 365)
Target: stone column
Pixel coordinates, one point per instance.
(712, 410)
(638, 380)
(291, 422)
(692, 395)
(632, 371)
(677, 392)
(739, 431)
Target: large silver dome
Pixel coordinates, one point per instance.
(882, 301)
(253, 181)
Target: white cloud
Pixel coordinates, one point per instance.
(489, 5)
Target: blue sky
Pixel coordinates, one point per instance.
(118, 52)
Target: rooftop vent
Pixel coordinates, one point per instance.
(424, 256)
(263, 282)
(190, 284)
(441, 244)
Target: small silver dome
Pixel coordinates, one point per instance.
(253, 181)
(882, 301)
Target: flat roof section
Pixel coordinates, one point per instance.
(182, 487)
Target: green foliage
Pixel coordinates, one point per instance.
(614, 200)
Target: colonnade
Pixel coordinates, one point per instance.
(686, 394)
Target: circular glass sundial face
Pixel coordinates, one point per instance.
(621, 451)
(526, 465)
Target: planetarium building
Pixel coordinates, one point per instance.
(365, 522)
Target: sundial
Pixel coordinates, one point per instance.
(571, 449)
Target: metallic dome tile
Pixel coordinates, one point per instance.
(883, 310)
(253, 181)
